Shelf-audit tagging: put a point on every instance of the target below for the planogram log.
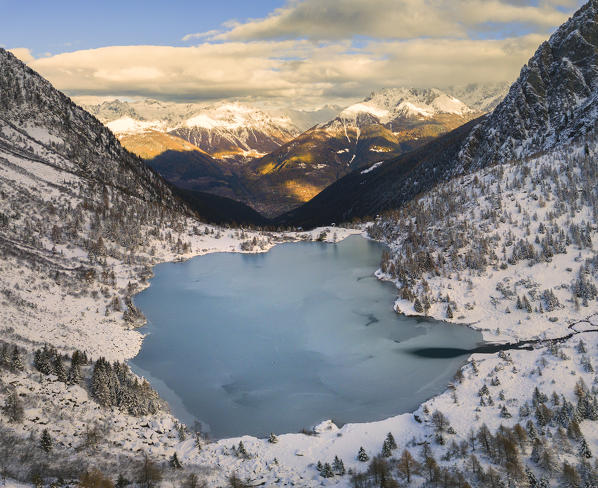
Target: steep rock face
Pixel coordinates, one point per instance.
(54, 155)
(554, 101)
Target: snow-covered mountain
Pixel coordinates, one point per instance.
(384, 125)
(229, 130)
(39, 123)
(393, 107)
(481, 97)
(554, 102)
(286, 167)
(236, 131)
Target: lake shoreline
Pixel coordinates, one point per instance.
(368, 306)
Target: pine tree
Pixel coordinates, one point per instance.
(504, 413)
(386, 450)
(100, 382)
(5, 356)
(338, 466)
(74, 375)
(59, 369)
(241, 451)
(584, 449)
(391, 440)
(45, 441)
(319, 466)
(174, 461)
(272, 439)
(526, 304)
(327, 471)
(362, 455)
(16, 363)
(13, 407)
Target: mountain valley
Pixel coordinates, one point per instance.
(482, 200)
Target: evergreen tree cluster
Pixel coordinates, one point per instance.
(515, 456)
(11, 357)
(327, 470)
(449, 231)
(48, 360)
(113, 385)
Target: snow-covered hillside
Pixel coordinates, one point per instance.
(506, 248)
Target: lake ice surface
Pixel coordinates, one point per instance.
(274, 342)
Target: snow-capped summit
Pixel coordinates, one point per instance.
(401, 108)
(129, 125)
(384, 125)
(235, 115)
(229, 130)
(392, 103)
(235, 131)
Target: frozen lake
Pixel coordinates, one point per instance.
(274, 342)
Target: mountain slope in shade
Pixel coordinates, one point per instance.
(553, 103)
(382, 186)
(385, 125)
(39, 123)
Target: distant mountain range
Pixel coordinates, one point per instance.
(265, 160)
(385, 125)
(232, 132)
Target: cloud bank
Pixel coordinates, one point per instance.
(313, 52)
(392, 19)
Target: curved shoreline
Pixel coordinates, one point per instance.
(435, 389)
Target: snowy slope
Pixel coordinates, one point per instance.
(385, 125)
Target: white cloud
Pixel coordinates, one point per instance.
(392, 19)
(23, 54)
(202, 35)
(305, 54)
(303, 73)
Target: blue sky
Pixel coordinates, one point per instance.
(304, 53)
(46, 26)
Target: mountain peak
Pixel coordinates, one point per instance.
(553, 102)
(389, 104)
